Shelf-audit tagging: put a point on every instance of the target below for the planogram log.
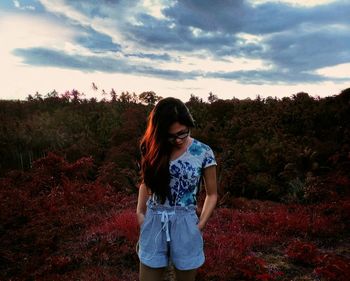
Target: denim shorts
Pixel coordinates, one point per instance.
(171, 235)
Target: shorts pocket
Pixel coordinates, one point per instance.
(146, 234)
(145, 221)
(196, 220)
(191, 239)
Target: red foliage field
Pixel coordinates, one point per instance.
(55, 224)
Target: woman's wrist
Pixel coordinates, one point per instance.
(201, 226)
(140, 218)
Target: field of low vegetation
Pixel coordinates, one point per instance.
(69, 181)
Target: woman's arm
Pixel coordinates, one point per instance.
(141, 203)
(211, 197)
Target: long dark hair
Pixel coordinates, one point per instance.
(155, 147)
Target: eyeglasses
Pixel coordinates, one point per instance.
(179, 135)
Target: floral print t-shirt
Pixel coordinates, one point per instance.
(185, 174)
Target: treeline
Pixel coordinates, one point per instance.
(290, 149)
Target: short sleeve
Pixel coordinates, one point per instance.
(209, 158)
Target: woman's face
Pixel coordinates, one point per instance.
(178, 134)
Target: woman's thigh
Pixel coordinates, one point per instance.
(185, 275)
(151, 274)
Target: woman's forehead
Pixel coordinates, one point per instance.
(176, 127)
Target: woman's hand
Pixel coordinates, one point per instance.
(141, 204)
(200, 226)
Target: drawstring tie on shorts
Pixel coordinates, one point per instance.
(165, 222)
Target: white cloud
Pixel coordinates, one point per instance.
(250, 38)
(110, 25)
(25, 31)
(337, 71)
(305, 3)
(22, 81)
(18, 5)
(61, 8)
(208, 64)
(28, 31)
(154, 7)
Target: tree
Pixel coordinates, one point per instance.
(125, 97)
(113, 95)
(52, 95)
(29, 98)
(149, 97)
(38, 96)
(94, 86)
(76, 96)
(212, 98)
(194, 99)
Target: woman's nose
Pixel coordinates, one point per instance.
(178, 141)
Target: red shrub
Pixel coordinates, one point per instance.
(227, 241)
(302, 252)
(333, 268)
(123, 224)
(53, 170)
(80, 169)
(254, 268)
(70, 229)
(59, 263)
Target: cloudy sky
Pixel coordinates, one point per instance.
(233, 48)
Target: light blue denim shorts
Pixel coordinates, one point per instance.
(171, 235)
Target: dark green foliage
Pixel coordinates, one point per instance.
(266, 148)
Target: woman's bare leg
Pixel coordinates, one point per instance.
(151, 274)
(185, 275)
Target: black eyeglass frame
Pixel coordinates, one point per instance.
(181, 136)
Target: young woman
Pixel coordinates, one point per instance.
(172, 166)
